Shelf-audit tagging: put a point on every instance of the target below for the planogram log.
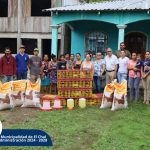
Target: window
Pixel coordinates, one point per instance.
(3, 8)
(29, 44)
(96, 42)
(38, 5)
(8, 42)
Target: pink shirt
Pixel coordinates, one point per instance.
(132, 73)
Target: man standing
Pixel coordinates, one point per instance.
(123, 47)
(35, 64)
(7, 66)
(111, 65)
(22, 62)
(123, 66)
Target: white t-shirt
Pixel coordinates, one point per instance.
(123, 63)
(111, 62)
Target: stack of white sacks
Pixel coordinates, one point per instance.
(115, 96)
(21, 93)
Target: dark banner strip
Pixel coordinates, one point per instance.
(22, 137)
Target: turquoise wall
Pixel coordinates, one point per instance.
(105, 21)
(83, 27)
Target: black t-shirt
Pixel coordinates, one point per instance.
(61, 65)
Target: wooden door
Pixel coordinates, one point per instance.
(136, 42)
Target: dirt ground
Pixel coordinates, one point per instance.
(17, 115)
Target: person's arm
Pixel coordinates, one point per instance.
(129, 66)
(67, 66)
(103, 69)
(1, 67)
(142, 72)
(92, 69)
(58, 65)
(14, 67)
(81, 68)
(116, 69)
(49, 66)
(29, 64)
(41, 67)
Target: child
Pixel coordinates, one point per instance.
(138, 64)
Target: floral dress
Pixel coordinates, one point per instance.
(53, 72)
(45, 74)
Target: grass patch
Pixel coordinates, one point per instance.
(92, 128)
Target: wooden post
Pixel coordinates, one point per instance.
(19, 25)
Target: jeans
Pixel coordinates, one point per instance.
(121, 76)
(21, 75)
(7, 79)
(98, 84)
(134, 88)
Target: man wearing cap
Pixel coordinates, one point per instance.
(22, 62)
(35, 64)
(7, 66)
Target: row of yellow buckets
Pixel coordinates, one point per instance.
(57, 104)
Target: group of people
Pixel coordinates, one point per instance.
(121, 65)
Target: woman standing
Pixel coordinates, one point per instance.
(134, 77)
(62, 63)
(71, 63)
(78, 61)
(146, 77)
(53, 74)
(45, 75)
(99, 69)
(87, 65)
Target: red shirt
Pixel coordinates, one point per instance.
(8, 65)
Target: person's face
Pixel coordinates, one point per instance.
(98, 56)
(147, 55)
(109, 52)
(88, 58)
(122, 46)
(46, 57)
(35, 53)
(62, 58)
(122, 54)
(67, 56)
(22, 50)
(54, 59)
(138, 57)
(78, 57)
(7, 52)
(134, 56)
(72, 57)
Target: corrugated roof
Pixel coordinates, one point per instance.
(117, 5)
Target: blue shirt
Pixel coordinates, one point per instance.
(139, 64)
(22, 62)
(146, 63)
(98, 65)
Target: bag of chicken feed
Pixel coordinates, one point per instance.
(120, 96)
(107, 98)
(5, 96)
(18, 92)
(32, 94)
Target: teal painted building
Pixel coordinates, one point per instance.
(96, 26)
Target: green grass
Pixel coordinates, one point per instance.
(93, 129)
